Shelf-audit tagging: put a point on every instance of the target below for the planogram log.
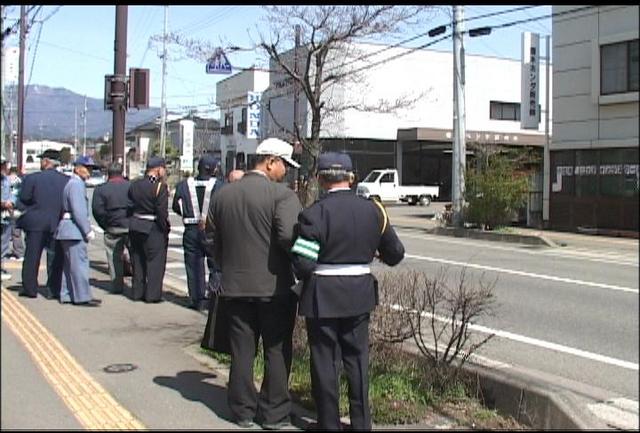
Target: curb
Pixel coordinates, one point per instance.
(483, 235)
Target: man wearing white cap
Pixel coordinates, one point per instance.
(251, 221)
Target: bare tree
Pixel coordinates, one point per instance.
(435, 314)
(327, 57)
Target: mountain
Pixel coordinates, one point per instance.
(49, 114)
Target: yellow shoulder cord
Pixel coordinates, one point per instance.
(384, 215)
(158, 189)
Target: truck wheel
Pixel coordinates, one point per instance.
(425, 200)
(411, 201)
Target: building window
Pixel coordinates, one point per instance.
(507, 111)
(619, 67)
(227, 129)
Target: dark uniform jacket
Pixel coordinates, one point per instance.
(342, 228)
(41, 194)
(252, 222)
(148, 196)
(109, 204)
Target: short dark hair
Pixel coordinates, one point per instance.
(114, 169)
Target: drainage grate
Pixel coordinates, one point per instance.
(119, 368)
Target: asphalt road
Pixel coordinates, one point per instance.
(568, 316)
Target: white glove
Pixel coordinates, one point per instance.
(91, 236)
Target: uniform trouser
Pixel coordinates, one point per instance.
(329, 341)
(35, 242)
(114, 245)
(6, 239)
(17, 247)
(193, 243)
(75, 283)
(148, 262)
(273, 321)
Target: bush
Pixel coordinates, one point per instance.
(494, 191)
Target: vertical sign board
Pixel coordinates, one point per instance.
(186, 160)
(529, 111)
(253, 114)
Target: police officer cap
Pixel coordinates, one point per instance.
(155, 161)
(334, 161)
(84, 160)
(208, 162)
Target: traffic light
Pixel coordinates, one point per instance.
(138, 88)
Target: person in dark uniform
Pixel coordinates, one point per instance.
(191, 201)
(109, 208)
(148, 209)
(41, 194)
(336, 240)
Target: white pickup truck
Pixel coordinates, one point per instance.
(384, 185)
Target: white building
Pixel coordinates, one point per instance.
(594, 152)
(31, 151)
(415, 139)
(238, 97)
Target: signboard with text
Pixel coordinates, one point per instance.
(253, 114)
(186, 160)
(529, 108)
(218, 63)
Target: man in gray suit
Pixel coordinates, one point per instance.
(251, 222)
(74, 233)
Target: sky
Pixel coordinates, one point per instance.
(73, 46)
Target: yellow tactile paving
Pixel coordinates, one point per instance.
(89, 402)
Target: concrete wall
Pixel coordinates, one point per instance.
(585, 119)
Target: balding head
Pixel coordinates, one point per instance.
(235, 175)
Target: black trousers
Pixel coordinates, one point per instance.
(193, 243)
(148, 261)
(35, 242)
(272, 320)
(343, 339)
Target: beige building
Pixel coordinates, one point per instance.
(594, 151)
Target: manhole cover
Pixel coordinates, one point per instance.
(119, 368)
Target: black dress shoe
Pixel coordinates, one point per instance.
(27, 295)
(91, 303)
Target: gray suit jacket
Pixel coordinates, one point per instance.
(251, 222)
(75, 202)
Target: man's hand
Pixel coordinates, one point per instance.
(91, 236)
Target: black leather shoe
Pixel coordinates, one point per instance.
(246, 423)
(91, 303)
(27, 295)
(276, 425)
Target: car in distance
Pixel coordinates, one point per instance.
(97, 178)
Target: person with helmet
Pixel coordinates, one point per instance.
(191, 201)
(74, 233)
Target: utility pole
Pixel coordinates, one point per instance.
(458, 163)
(119, 86)
(9, 156)
(163, 118)
(546, 162)
(23, 37)
(84, 118)
(295, 82)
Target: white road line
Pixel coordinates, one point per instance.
(524, 274)
(536, 342)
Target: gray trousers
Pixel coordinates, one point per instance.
(75, 281)
(114, 245)
(17, 248)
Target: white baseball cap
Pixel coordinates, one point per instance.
(279, 148)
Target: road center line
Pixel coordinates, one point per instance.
(524, 274)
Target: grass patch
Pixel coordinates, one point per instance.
(402, 388)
